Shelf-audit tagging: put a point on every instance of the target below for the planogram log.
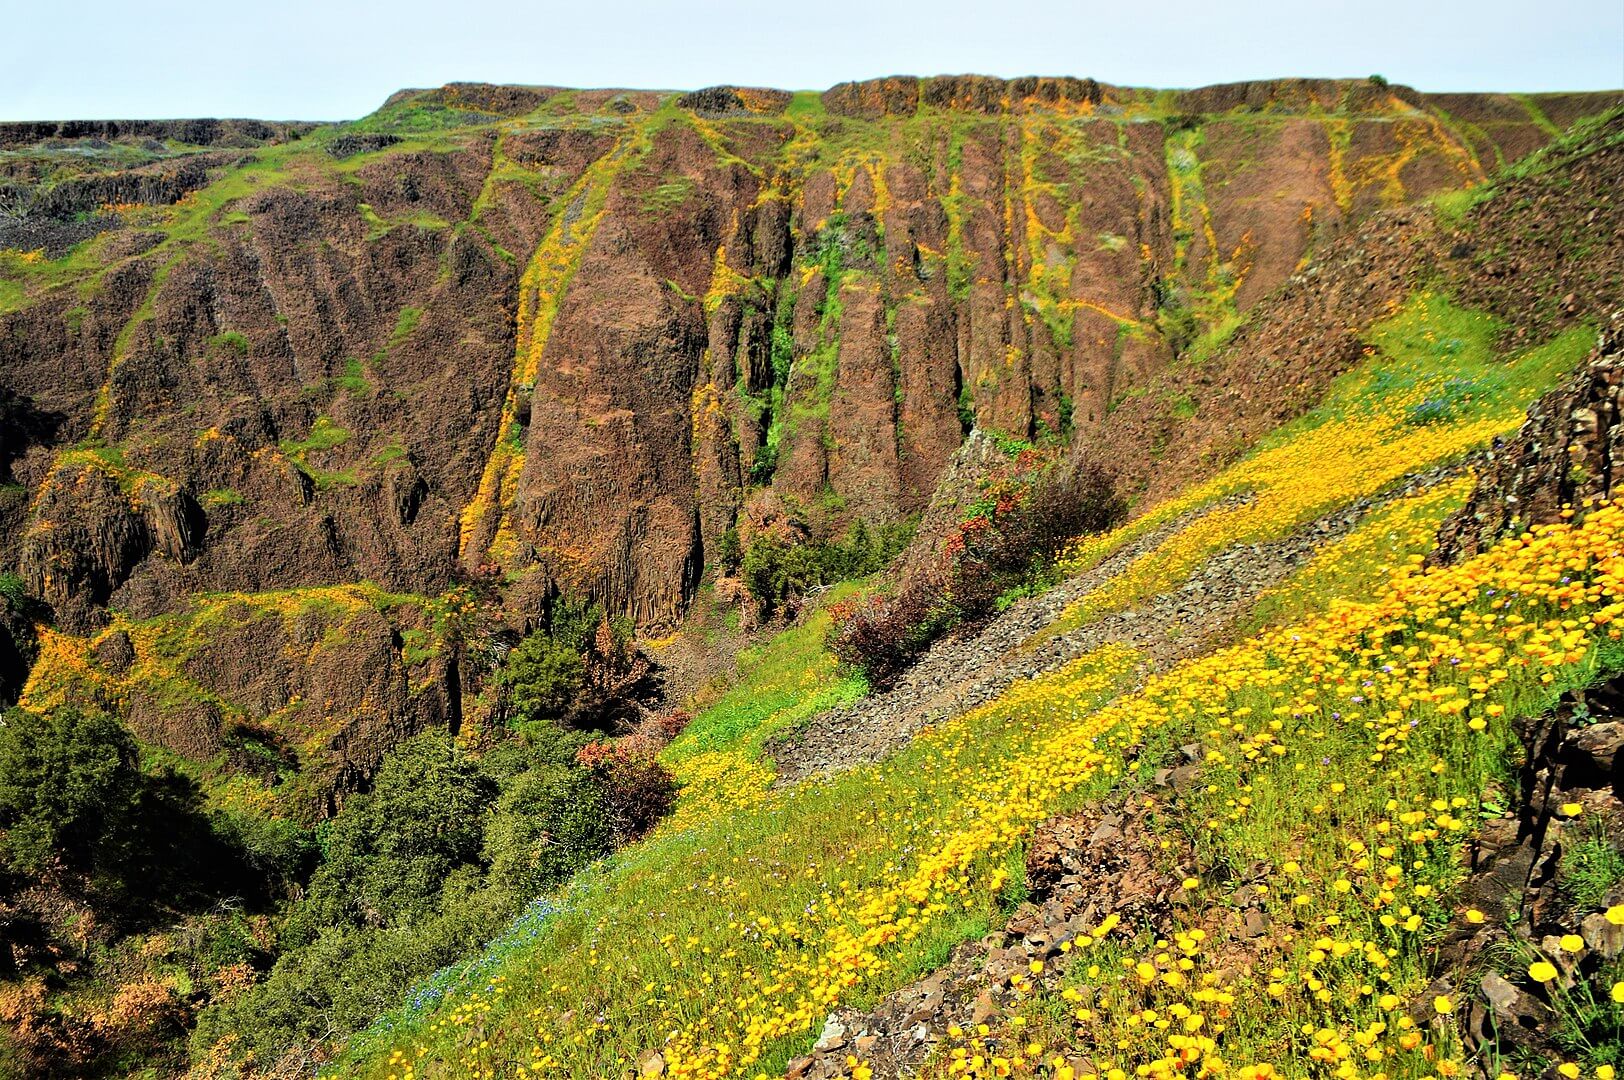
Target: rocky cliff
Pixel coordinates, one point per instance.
(560, 339)
(568, 333)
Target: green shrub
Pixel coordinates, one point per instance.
(74, 801)
(230, 341)
(777, 572)
(728, 553)
(348, 976)
(542, 676)
(424, 869)
(13, 592)
(274, 851)
(545, 742)
(549, 823)
(387, 853)
(70, 790)
(574, 622)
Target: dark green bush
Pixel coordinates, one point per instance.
(542, 677)
(74, 801)
(13, 593)
(777, 572)
(346, 977)
(573, 622)
(422, 870)
(549, 823)
(274, 852)
(70, 790)
(540, 742)
(728, 553)
(387, 853)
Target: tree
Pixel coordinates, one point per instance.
(549, 823)
(543, 677)
(389, 852)
(75, 801)
(70, 791)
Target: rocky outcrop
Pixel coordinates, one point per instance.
(14, 134)
(303, 692)
(902, 95)
(1529, 876)
(160, 184)
(346, 146)
(53, 218)
(1567, 452)
(1360, 97)
(720, 101)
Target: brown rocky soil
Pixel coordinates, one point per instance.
(1563, 455)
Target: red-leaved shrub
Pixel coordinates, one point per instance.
(638, 791)
(1022, 523)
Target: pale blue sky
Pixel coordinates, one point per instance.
(337, 59)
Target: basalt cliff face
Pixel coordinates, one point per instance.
(562, 340)
(567, 333)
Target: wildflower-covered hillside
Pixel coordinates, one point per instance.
(1288, 823)
(728, 590)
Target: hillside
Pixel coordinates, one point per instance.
(329, 450)
(1110, 821)
(569, 340)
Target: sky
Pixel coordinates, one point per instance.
(339, 59)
